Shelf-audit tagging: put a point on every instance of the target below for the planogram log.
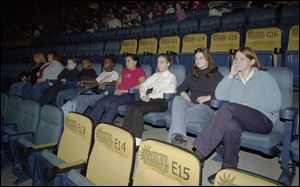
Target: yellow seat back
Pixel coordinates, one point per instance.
(162, 164)
(129, 46)
(112, 158)
(237, 177)
(293, 44)
(148, 45)
(224, 41)
(264, 39)
(75, 142)
(171, 43)
(191, 42)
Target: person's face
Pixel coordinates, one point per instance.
(200, 61)
(35, 59)
(242, 62)
(108, 64)
(162, 64)
(86, 64)
(50, 57)
(71, 65)
(130, 63)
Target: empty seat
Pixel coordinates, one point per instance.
(171, 43)
(188, 26)
(264, 41)
(238, 177)
(262, 18)
(96, 48)
(112, 47)
(292, 54)
(147, 45)
(13, 110)
(220, 45)
(111, 161)
(123, 33)
(78, 130)
(163, 164)
(209, 24)
(4, 105)
(110, 34)
(71, 50)
(129, 46)
(137, 31)
(152, 30)
(232, 22)
(98, 35)
(169, 28)
(83, 49)
(169, 17)
(289, 16)
(46, 136)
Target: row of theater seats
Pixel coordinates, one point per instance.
(107, 154)
(196, 21)
(267, 42)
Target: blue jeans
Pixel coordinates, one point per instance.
(186, 113)
(81, 103)
(16, 88)
(37, 90)
(65, 95)
(109, 105)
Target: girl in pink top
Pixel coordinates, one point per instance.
(131, 77)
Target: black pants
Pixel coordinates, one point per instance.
(134, 120)
(228, 124)
(50, 93)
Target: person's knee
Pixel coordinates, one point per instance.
(233, 127)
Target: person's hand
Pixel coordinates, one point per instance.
(186, 96)
(101, 86)
(203, 99)
(244, 103)
(39, 80)
(63, 81)
(234, 70)
(145, 99)
(118, 92)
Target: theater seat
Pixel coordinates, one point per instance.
(163, 164)
(30, 145)
(238, 177)
(73, 150)
(111, 162)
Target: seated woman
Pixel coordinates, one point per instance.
(48, 71)
(86, 76)
(254, 103)
(81, 102)
(161, 82)
(22, 88)
(66, 79)
(194, 108)
(131, 77)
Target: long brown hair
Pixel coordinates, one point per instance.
(250, 53)
(211, 68)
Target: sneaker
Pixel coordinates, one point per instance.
(211, 179)
(179, 140)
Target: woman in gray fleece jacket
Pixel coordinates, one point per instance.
(254, 103)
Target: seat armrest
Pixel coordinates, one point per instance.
(169, 96)
(216, 104)
(64, 167)
(288, 113)
(11, 137)
(26, 151)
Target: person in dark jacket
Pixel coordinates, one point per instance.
(66, 79)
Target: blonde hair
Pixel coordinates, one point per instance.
(250, 53)
(40, 57)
